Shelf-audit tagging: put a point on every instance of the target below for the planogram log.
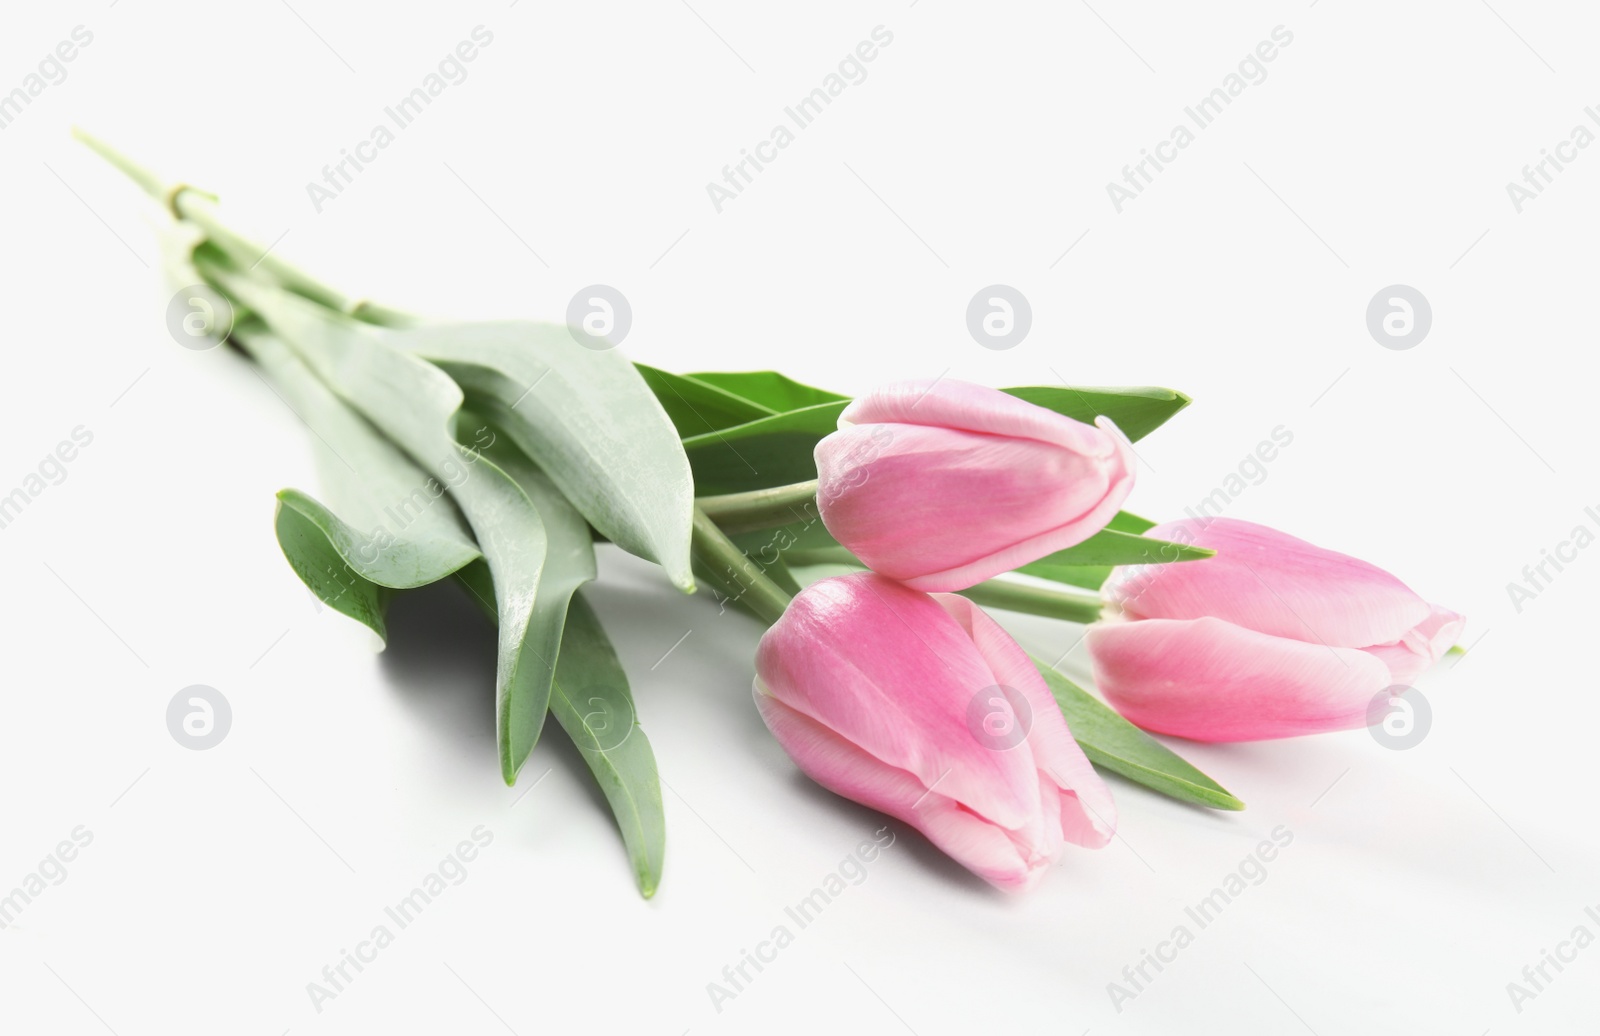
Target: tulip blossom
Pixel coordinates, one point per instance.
(923, 708)
(1272, 637)
(943, 484)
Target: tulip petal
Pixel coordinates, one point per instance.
(1074, 792)
(1069, 533)
(833, 762)
(942, 509)
(1209, 680)
(885, 668)
(1269, 581)
(947, 403)
(1417, 651)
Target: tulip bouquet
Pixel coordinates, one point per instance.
(498, 454)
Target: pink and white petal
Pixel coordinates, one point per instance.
(901, 693)
(843, 768)
(1271, 582)
(947, 403)
(1417, 651)
(1209, 680)
(1086, 812)
(1115, 475)
(958, 503)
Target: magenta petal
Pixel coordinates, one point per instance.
(1210, 680)
(1271, 582)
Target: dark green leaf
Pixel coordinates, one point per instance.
(697, 407)
(1108, 548)
(777, 392)
(1136, 411)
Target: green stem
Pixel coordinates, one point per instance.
(1034, 600)
(729, 565)
(200, 208)
(761, 508)
(993, 593)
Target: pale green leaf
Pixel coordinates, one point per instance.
(586, 417)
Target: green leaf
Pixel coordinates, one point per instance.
(1136, 411)
(312, 556)
(569, 560)
(1108, 548)
(776, 392)
(586, 417)
(415, 404)
(1088, 576)
(591, 701)
(593, 704)
(770, 451)
(1114, 744)
(388, 521)
(1126, 521)
(777, 450)
(696, 406)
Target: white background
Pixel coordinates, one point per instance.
(219, 883)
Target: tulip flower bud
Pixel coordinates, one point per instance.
(943, 484)
(1273, 637)
(923, 708)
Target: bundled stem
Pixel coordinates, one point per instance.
(761, 508)
(730, 565)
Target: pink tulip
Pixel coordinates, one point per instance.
(1272, 637)
(943, 484)
(923, 708)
